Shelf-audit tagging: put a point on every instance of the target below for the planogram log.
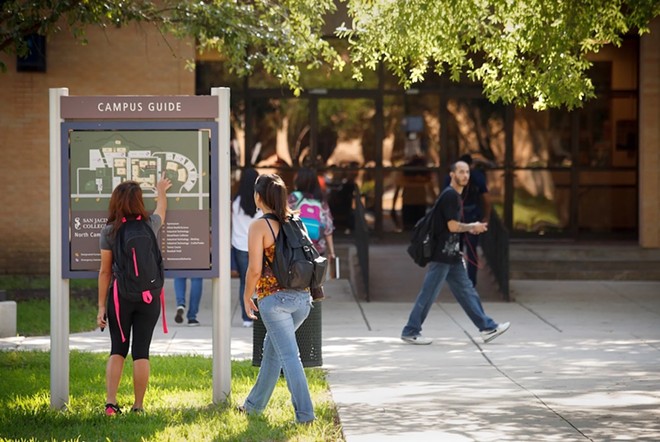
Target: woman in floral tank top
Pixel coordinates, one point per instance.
(282, 310)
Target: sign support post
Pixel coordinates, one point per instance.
(221, 339)
(59, 287)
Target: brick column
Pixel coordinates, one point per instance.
(649, 138)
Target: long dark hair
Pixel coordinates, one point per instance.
(307, 182)
(126, 202)
(273, 193)
(246, 191)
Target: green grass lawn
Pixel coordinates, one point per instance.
(33, 282)
(33, 307)
(178, 403)
(33, 316)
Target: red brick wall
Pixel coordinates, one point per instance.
(131, 61)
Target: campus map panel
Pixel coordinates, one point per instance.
(100, 160)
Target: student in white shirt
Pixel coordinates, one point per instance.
(243, 212)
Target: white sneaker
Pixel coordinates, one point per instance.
(489, 335)
(416, 340)
(247, 324)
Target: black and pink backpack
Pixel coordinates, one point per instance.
(137, 268)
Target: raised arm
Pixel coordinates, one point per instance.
(161, 202)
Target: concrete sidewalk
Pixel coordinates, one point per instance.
(580, 362)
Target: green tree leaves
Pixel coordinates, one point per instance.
(522, 51)
(283, 36)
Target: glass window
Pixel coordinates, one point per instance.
(496, 190)
(608, 133)
(212, 73)
(279, 132)
(541, 200)
(394, 136)
(625, 134)
(542, 139)
(415, 191)
(342, 184)
(346, 132)
(476, 127)
(615, 68)
(391, 203)
(412, 130)
(237, 121)
(407, 194)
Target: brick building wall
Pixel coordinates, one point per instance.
(135, 60)
(649, 138)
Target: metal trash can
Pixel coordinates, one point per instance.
(308, 336)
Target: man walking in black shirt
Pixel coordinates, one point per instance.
(447, 265)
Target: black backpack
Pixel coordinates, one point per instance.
(423, 241)
(296, 264)
(137, 266)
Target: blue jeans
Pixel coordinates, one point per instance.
(460, 286)
(195, 295)
(282, 313)
(241, 260)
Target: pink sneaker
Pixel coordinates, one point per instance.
(112, 409)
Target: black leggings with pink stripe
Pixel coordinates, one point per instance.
(138, 317)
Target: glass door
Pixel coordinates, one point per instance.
(343, 140)
(410, 158)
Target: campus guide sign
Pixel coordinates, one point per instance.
(139, 107)
(97, 143)
(107, 140)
